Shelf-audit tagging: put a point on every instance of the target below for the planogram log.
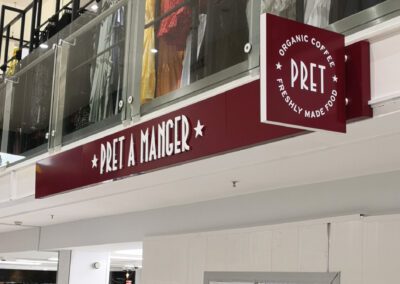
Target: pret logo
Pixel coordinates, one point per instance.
(307, 77)
(302, 75)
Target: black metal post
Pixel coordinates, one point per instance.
(300, 11)
(22, 32)
(7, 46)
(2, 27)
(58, 6)
(75, 9)
(39, 14)
(33, 24)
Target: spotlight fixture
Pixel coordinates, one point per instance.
(94, 7)
(44, 46)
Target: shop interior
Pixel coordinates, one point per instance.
(40, 267)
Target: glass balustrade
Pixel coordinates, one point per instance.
(134, 57)
(30, 107)
(92, 66)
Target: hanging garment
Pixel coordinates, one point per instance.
(344, 8)
(365, 4)
(12, 66)
(169, 69)
(64, 21)
(176, 27)
(106, 81)
(226, 34)
(282, 8)
(148, 82)
(187, 60)
(40, 90)
(79, 70)
(172, 35)
(317, 12)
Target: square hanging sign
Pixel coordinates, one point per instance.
(302, 75)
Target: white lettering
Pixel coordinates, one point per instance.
(144, 146)
(102, 158)
(131, 157)
(177, 142)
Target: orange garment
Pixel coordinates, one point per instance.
(169, 67)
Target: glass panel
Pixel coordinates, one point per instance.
(340, 9)
(94, 72)
(186, 41)
(285, 8)
(320, 13)
(229, 282)
(30, 107)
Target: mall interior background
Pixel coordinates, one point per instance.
(320, 203)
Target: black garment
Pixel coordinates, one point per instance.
(64, 21)
(343, 8)
(78, 83)
(31, 103)
(226, 34)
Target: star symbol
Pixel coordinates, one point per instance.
(335, 79)
(94, 162)
(278, 66)
(199, 129)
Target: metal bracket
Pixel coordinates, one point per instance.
(13, 79)
(61, 42)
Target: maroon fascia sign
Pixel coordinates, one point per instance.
(302, 85)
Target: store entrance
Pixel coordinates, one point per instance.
(270, 278)
(29, 267)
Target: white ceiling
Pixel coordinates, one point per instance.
(16, 3)
(369, 147)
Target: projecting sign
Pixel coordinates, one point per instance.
(302, 75)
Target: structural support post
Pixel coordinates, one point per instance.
(33, 24)
(75, 9)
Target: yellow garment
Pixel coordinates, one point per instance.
(12, 66)
(148, 82)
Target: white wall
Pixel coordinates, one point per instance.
(364, 250)
(17, 184)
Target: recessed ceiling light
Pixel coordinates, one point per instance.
(138, 257)
(130, 252)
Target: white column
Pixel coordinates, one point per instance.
(82, 267)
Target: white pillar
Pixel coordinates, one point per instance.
(82, 267)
